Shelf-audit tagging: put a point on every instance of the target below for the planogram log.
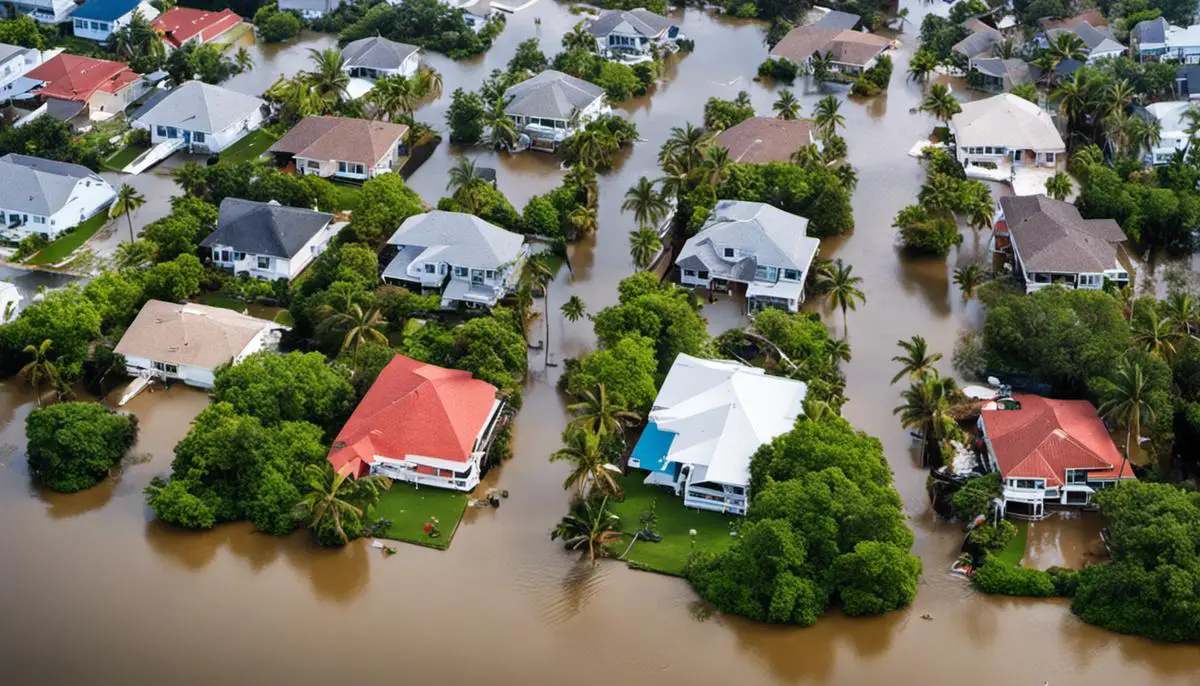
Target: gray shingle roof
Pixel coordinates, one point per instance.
(774, 238)
(38, 186)
(1096, 39)
(377, 53)
(198, 106)
(1051, 236)
(265, 228)
(643, 22)
(7, 51)
(464, 239)
(1149, 31)
(551, 94)
(834, 19)
(310, 5)
(978, 42)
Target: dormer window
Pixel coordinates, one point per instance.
(730, 252)
(430, 268)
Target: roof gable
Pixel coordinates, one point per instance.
(460, 239)
(551, 94)
(774, 237)
(39, 186)
(759, 140)
(198, 106)
(1051, 236)
(72, 77)
(265, 228)
(377, 52)
(341, 138)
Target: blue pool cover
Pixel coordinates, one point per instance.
(652, 448)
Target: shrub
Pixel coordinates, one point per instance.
(279, 26)
(139, 137)
(999, 578)
(73, 446)
(782, 70)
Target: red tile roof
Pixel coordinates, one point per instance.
(181, 24)
(71, 77)
(418, 409)
(1046, 437)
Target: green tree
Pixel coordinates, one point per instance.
(597, 413)
(786, 106)
(176, 280)
(466, 117)
(361, 326)
(648, 206)
(128, 200)
(916, 361)
(940, 103)
(590, 524)
(876, 578)
(967, 279)
(40, 368)
(626, 369)
(827, 117)
(926, 410)
(573, 309)
(644, 244)
(334, 505)
(1058, 186)
(292, 387)
(73, 446)
(842, 287)
(1129, 405)
(590, 469)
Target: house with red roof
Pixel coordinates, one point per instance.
(180, 25)
(1049, 452)
(421, 424)
(101, 87)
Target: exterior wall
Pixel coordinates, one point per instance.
(97, 30)
(279, 267)
(328, 168)
(192, 376)
(89, 198)
(46, 11)
(213, 142)
(12, 71)
(562, 128)
(116, 102)
(501, 282)
(1168, 144)
(408, 69)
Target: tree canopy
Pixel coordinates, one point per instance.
(294, 387)
(74, 445)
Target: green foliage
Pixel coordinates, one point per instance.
(876, 578)
(529, 57)
(181, 231)
(721, 114)
(386, 201)
(938, 36)
(541, 218)
(295, 387)
(975, 496)
(626, 369)
(813, 192)
(1000, 578)
(176, 280)
(489, 204)
(466, 117)
(73, 446)
(874, 79)
(117, 297)
(993, 538)
(71, 322)
(806, 342)
(258, 182)
(1153, 216)
(492, 348)
(428, 23)
(924, 234)
(782, 70)
(27, 33)
(53, 139)
(275, 26)
(200, 61)
(619, 81)
(663, 313)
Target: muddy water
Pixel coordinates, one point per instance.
(97, 592)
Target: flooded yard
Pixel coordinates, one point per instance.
(98, 592)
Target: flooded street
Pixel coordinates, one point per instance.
(95, 591)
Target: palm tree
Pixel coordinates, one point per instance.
(333, 497)
(1116, 96)
(591, 524)
(926, 410)
(428, 83)
(941, 103)
(787, 107)
(644, 244)
(1118, 126)
(827, 117)
(598, 414)
(922, 65)
(502, 130)
(1191, 120)
(1073, 99)
(537, 272)
(573, 309)
(40, 368)
(465, 183)
(968, 279)
(589, 469)
(192, 178)
(647, 205)
(815, 410)
(838, 350)
(128, 200)
(394, 95)
(916, 361)
(583, 220)
(1128, 406)
(243, 59)
(1183, 312)
(842, 287)
(1059, 186)
(686, 145)
(329, 81)
(1156, 335)
(578, 38)
(717, 163)
(820, 65)
(1064, 46)
(585, 178)
(362, 326)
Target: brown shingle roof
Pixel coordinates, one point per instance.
(803, 41)
(341, 138)
(760, 140)
(1051, 236)
(1094, 17)
(845, 45)
(194, 335)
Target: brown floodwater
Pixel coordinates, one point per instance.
(95, 591)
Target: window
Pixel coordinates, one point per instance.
(80, 25)
(791, 274)
(702, 275)
(350, 168)
(162, 131)
(166, 367)
(460, 271)
(1076, 476)
(197, 136)
(1050, 158)
(430, 268)
(769, 274)
(730, 252)
(1027, 483)
(39, 220)
(223, 256)
(491, 274)
(313, 164)
(264, 262)
(689, 273)
(239, 256)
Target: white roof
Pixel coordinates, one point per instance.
(1005, 120)
(198, 106)
(460, 239)
(721, 412)
(1170, 114)
(763, 235)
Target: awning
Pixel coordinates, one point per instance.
(783, 290)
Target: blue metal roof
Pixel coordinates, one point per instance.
(652, 447)
(105, 10)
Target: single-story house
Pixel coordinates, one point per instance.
(10, 301)
(475, 12)
(180, 25)
(421, 424)
(759, 140)
(46, 197)
(979, 42)
(1051, 243)
(98, 19)
(751, 243)
(1173, 136)
(552, 106)
(45, 11)
(1049, 452)
(1100, 41)
(267, 240)
(15, 64)
(101, 87)
(469, 261)
(375, 57)
(310, 9)
(1000, 75)
(708, 420)
(1154, 40)
(200, 116)
(850, 52)
(636, 32)
(188, 342)
(1006, 128)
(341, 147)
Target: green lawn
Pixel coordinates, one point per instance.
(674, 520)
(409, 508)
(249, 148)
(66, 244)
(1014, 552)
(219, 299)
(121, 158)
(285, 318)
(348, 196)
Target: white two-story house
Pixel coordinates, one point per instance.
(469, 261)
(1006, 129)
(552, 106)
(755, 245)
(267, 240)
(98, 19)
(376, 57)
(631, 33)
(46, 197)
(200, 117)
(15, 63)
(1050, 243)
(1173, 135)
(45, 11)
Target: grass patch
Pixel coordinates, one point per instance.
(121, 158)
(285, 318)
(669, 556)
(224, 301)
(249, 148)
(348, 196)
(410, 507)
(64, 245)
(1014, 552)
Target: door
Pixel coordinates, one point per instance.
(1017, 156)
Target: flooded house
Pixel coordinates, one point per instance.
(266, 240)
(1172, 125)
(180, 25)
(376, 57)
(342, 148)
(85, 88)
(708, 420)
(1006, 131)
(47, 197)
(99, 19)
(552, 106)
(15, 63)
(761, 140)
(421, 424)
(310, 9)
(850, 52)
(200, 117)
(631, 35)
(1156, 40)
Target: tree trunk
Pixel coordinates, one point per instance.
(129, 217)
